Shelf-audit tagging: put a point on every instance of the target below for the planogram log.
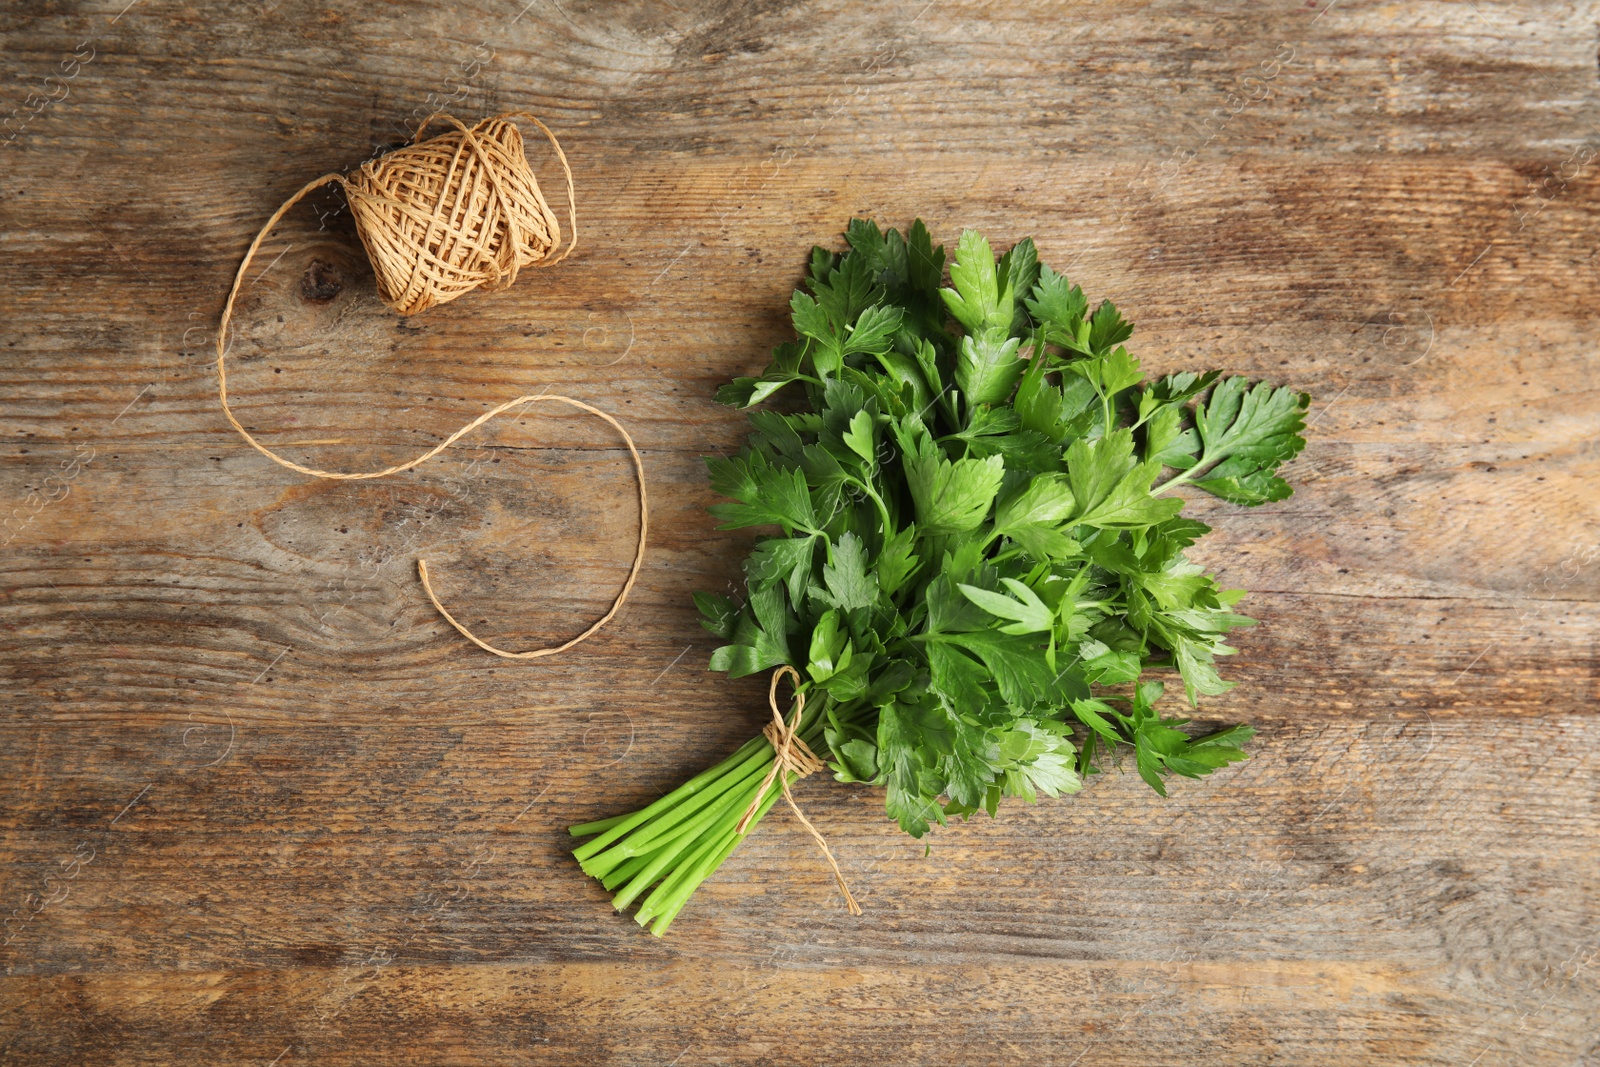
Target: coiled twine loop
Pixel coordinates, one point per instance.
(440, 218)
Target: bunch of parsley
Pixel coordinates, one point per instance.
(977, 561)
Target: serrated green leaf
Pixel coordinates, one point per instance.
(1028, 613)
(988, 368)
(760, 636)
(764, 495)
(897, 561)
(1166, 440)
(783, 560)
(975, 300)
(871, 332)
(830, 649)
(1247, 434)
(857, 759)
(810, 320)
(951, 497)
(1110, 372)
(847, 584)
(1092, 713)
(1045, 542)
(1044, 501)
(1107, 327)
(1057, 306)
(1018, 668)
(719, 613)
(859, 438)
(1128, 502)
(901, 763)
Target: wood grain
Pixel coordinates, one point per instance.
(262, 805)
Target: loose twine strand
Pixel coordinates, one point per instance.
(438, 219)
(792, 756)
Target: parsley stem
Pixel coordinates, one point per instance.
(690, 834)
(883, 509)
(660, 854)
(1181, 479)
(1010, 553)
(611, 830)
(665, 827)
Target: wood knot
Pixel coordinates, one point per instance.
(321, 282)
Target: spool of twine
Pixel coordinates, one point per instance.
(440, 218)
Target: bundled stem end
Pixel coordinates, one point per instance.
(664, 851)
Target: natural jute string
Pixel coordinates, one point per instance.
(793, 756)
(441, 217)
(438, 219)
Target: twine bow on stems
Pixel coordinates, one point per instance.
(792, 756)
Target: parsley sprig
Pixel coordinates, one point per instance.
(976, 566)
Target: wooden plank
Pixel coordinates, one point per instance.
(1397, 873)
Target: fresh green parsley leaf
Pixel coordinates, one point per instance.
(760, 641)
(846, 583)
(1110, 489)
(950, 497)
(784, 560)
(765, 494)
(1058, 307)
(1030, 615)
(1247, 434)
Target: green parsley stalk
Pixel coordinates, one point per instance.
(658, 856)
(976, 564)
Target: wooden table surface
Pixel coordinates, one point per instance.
(261, 806)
